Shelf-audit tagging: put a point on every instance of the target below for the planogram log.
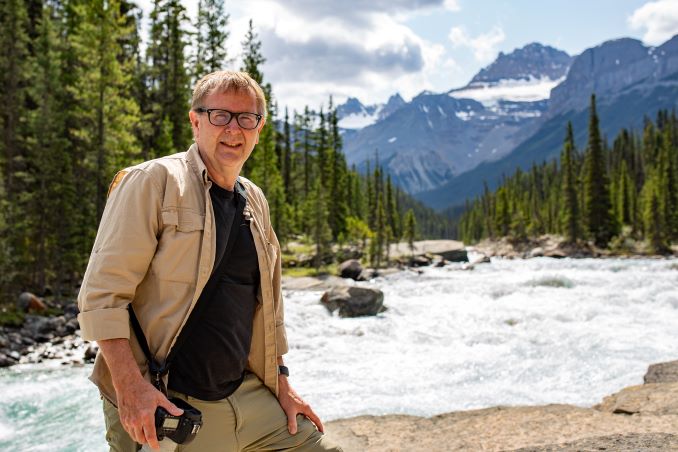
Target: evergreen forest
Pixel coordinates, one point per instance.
(617, 196)
(84, 94)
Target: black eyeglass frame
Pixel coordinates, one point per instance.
(233, 115)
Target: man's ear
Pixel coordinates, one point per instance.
(262, 123)
(194, 120)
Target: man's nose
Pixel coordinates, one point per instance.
(232, 125)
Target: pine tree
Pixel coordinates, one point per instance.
(410, 230)
(54, 240)
(570, 206)
(167, 81)
(380, 240)
(316, 210)
(597, 206)
(210, 39)
(653, 214)
(16, 67)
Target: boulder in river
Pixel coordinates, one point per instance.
(354, 301)
(351, 269)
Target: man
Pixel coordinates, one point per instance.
(166, 225)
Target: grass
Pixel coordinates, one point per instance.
(10, 316)
(310, 271)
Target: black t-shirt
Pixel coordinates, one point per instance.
(212, 360)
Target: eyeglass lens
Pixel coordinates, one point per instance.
(223, 117)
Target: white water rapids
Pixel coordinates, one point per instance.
(521, 332)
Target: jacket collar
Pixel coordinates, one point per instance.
(193, 158)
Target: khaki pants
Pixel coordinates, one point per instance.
(249, 420)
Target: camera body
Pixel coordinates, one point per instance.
(180, 429)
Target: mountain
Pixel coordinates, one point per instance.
(524, 63)
(426, 142)
(630, 81)
(353, 114)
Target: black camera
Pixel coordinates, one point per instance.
(180, 429)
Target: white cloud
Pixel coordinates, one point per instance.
(452, 5)
(659, 18)
(365, 50)
(484, 45)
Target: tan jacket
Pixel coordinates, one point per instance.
(155, 248)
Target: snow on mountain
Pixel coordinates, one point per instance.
(516, 90)
(358, 120)
(354, 115)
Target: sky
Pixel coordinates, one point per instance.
(372, 49)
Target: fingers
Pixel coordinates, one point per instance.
(292, 422)
(150, 436)
(170, 407)
(315, 419)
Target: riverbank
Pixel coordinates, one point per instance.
(643, 417)
(550, 245)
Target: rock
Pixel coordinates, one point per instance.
(29, 302)
(6, 361)
(324, 282)
(646, 442)
(647, 399)
(351, 269)
(34, 324)
(482, 260)
(537, 252)
(439, 263)
(354, 301)
(555, 254)
(90, 353)
(4, 341)
(662, 373)
(71, 310)
(420, 261)
(72, 325)
(455, 255)
(450, 250)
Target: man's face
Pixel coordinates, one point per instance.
(224, 149)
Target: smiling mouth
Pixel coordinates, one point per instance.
(231, 145)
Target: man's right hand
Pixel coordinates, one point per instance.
(136, 407)
(137, 398)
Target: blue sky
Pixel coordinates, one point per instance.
(373, 49)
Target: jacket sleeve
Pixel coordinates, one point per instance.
(124, 247)
(280, 332)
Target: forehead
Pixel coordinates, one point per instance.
(232, 99)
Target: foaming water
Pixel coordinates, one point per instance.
(507, 333)
(513, 332)
(48, 408)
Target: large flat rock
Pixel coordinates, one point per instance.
(495, 429)
(320, 283)
(449, 249)
(646, 442)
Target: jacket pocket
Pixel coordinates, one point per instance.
(183, 219)
(178, 253)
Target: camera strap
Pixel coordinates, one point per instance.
(158, 370)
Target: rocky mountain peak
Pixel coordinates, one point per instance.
(531, 61)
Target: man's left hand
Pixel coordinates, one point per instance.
(292, 405)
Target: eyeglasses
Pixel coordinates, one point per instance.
(218, 117)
